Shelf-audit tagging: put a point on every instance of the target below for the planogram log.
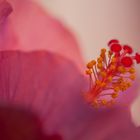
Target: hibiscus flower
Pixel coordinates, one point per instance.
(42, 85)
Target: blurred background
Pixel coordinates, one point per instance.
(95, 22)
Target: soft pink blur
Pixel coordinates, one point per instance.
(97, 21)
(29, 79)
(48, 82)
(30, 28)
(17, 123)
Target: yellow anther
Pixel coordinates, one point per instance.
(132, 77)
(123, 87)
(100, 60)
(95, 104)
(116, 89)
(103, 84)
(114, 95)
(102, 55)
(98, 82)
(131, 70)
(120, 80)
(112, 67)
(91, 64)
(103, 74)
(99, 65)
(103, 50)
(121, 69)
(110, 78)
(89, 72)
(129, 84)
(104, 102)
(114, 60)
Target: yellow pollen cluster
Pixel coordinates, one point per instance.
(108, 77)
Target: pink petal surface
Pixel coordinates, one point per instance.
(19, 124)
(41, 82)
(5, 11)
(51, 86)
(30, 28)
(49, 83)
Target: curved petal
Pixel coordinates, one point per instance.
(39, 81)
(52, 87)
(17, 123)
(29, 27)
(49, 84)
(5, 11)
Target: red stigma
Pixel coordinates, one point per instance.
(128, 49)
(113, 41)
(127, 61)
(137, 57)
(116, 48)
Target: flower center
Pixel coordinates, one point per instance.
(113, 72)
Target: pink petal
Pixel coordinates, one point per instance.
(29, 27)
(52, 87)
(20, 124)
(42, 82)
(5, 11)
